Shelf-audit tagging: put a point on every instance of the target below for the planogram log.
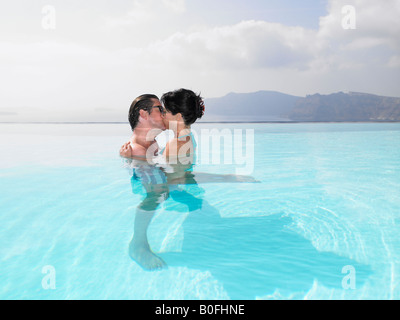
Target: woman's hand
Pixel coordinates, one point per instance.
(126, 150)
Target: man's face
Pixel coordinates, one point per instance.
(156, 115)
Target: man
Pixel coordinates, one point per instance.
(145, 118)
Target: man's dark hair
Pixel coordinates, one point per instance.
(143, 102)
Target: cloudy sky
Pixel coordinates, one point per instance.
(87, 60)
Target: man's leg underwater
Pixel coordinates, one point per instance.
(139, 248)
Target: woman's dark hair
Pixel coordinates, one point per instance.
(185, 102)
(143, 102)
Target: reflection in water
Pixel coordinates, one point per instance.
(157, 184)
(260, 252)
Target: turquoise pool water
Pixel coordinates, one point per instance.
(322, 224)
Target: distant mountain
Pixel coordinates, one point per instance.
(346, 107)
(256, 106)
(276, 106)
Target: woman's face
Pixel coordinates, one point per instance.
(169, 119)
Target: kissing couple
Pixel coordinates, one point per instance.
(160, 171)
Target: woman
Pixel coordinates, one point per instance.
(183, 107)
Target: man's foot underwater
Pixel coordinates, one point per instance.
(146, 258)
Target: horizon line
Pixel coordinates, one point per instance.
(200, 122)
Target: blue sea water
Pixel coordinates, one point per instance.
(323, 223)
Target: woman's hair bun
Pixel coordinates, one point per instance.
(200, 106)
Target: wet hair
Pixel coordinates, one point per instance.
(143, 102)
(185, 102)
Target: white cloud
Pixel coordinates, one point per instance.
(377, 20)
(248, 44)
(147, 14)
(394, 62)
(140, 12)
(260, 44)
(370, 45)
(177, 6)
